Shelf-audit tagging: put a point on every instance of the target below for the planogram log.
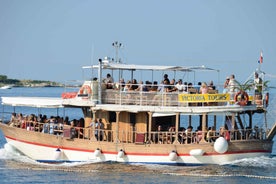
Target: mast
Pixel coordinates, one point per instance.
(117, 46)
(100, 82)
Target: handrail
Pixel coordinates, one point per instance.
(179, 99)
(156, 137)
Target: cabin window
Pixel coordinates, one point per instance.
(112, 116)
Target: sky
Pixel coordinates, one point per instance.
(53, 39)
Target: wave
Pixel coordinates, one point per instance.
(11, 154)
(261, 162)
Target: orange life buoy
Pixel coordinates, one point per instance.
(241, 101)
(266, 99)
(85, 89)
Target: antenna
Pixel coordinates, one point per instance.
(117, 45)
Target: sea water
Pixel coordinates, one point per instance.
(15, 168)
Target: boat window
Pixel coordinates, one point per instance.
(112, 116)
(132, 118)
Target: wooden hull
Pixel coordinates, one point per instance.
(50, 148)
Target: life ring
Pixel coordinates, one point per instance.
(244, 101)
(266, 99)
(85, 90)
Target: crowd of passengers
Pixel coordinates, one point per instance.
(41, 123)
(56, 124)
(166, 85)
(189, 136)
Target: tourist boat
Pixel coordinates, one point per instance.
(6, 87)
(146, 126)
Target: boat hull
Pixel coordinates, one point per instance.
(50, 148)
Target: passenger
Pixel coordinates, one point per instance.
(179, 86)
(185, 87)
(13, 120)
(154, 87)
(182, 135)
(98, 129)
(134, 85)
(211, 134)
(140, 86)
(161, 86)
(190, 135)
(191, 89)
(109, 81)
(60, 123)
(199, 135)
(223, 132)
(166, 86)
(198, 86)
(211, 85)
(166, 78)
(73, 132)
(204, 88)
(242, 101)
(225, 86)
(28, 122)
(79, 127)
(45, 126)
(24, 122)
(232, 86)
(172, 86)
(159, 135)
(44, 117)
(20, 120)
(120, 85)
(39, 118)
(127, 86)
(36, 124)
(147, 87)
(51, 126)
(258, 86)
(171, 133)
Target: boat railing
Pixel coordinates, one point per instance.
(168, 137)
(188, 97)
(153, 137)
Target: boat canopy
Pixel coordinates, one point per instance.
(120, 66)
(39, 102)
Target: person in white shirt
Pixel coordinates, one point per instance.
(232, 86)
(180, 86)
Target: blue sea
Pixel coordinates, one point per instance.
(16, 168)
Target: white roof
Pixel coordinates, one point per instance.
(44, 102)
(116, 66)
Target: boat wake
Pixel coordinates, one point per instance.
(249, 168)
(10, 154)
(261, 162)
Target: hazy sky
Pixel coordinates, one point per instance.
(52, 39)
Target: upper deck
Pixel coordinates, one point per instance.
(189, 101)
(150, 96)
